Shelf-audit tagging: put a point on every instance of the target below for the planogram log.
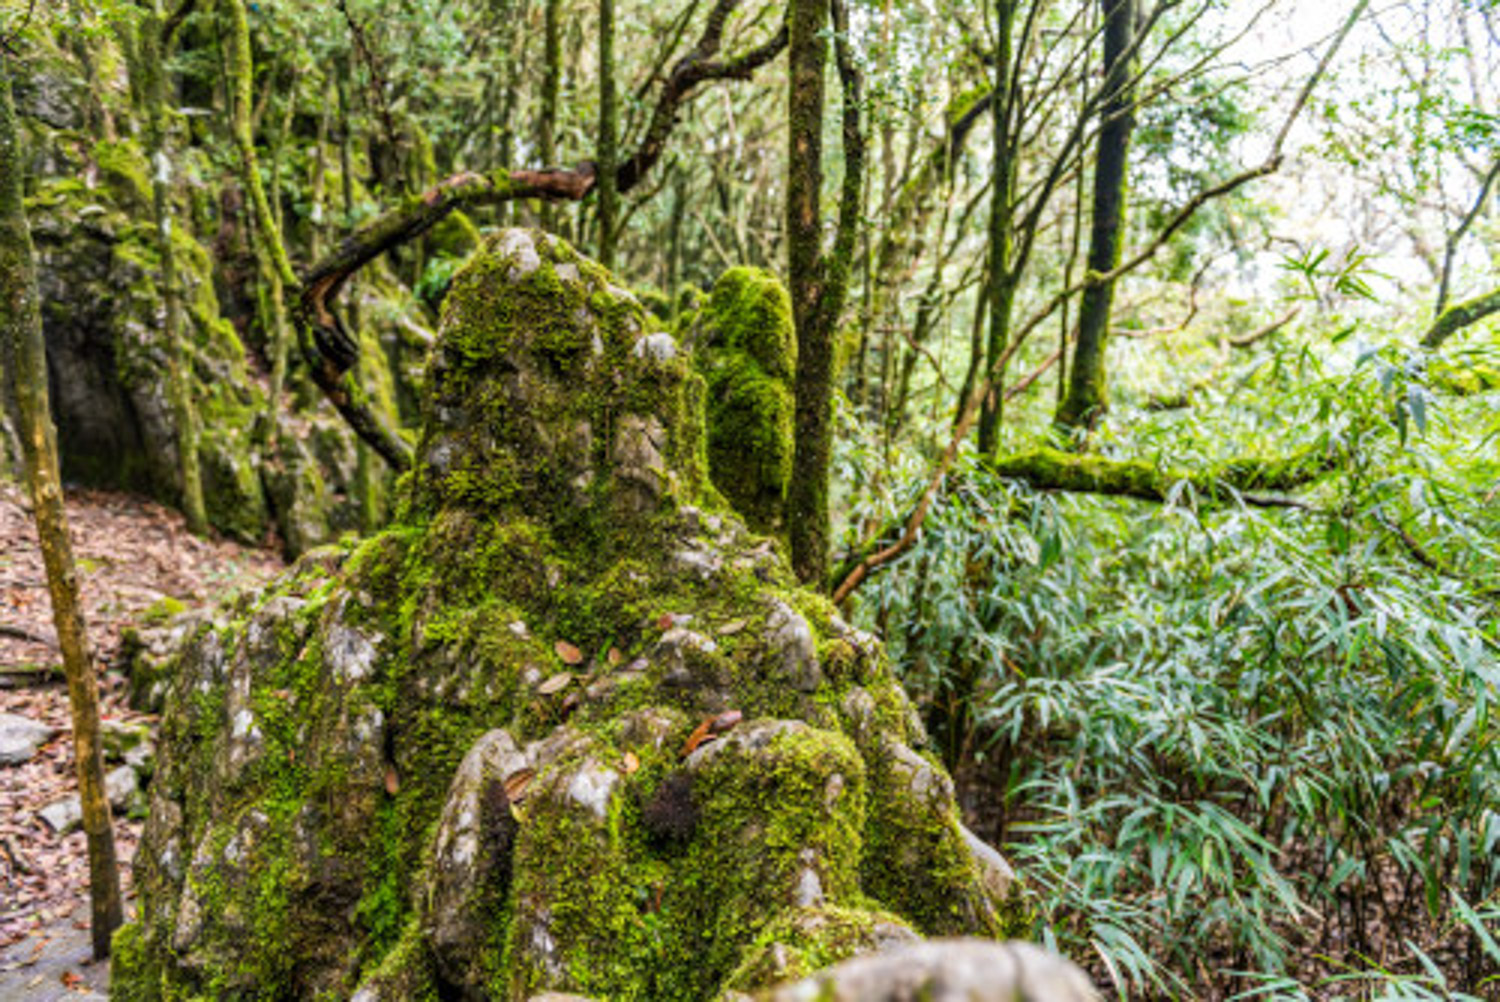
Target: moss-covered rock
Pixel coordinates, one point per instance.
(567, 726)
(745, 345)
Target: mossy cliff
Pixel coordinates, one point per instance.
(567, 725)
(99, 268)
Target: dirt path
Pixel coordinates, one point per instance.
(134, 557)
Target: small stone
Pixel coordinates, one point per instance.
(63, 816)
(658, 347)
(120, 785)
(20, 737)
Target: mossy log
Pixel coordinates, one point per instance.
(1460, 315)
(1246, 478)
(566, 726)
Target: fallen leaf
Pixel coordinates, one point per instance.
(732, 627)
(700, 734)
(71, 978)
(392, 781)
(665, 622)
(711, 728)
(517, 782)
(557, 683)
(570, 654)
(615, 656)
(631, 763)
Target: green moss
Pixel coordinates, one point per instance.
(748, 358)
(135, 975)
(805, 940)
(123, 168)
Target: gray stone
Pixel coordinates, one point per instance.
(955, 970)
(62, 816)
(794, 653)
(120, 785)
(999, 879)
(20, 737)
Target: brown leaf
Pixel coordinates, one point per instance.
(570, 654)
(392, 781)
(631, 763)
(700, 734)
(711, 728)
(516, 783)
(615, 656)
(665, 622)
(557, 683)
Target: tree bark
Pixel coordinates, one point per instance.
(807, 494)
(1002, 279)
(26, 368)
(1087, 395)
(551, 90)
(609, 127)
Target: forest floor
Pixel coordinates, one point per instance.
(131, 554)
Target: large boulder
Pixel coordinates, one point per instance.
(567, 726)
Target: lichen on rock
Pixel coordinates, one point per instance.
(566, 726)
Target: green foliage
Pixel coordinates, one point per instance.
(1231, 738)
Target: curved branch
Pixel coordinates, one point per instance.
(331, 350)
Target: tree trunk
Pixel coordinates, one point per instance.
(609, 194)
(26, 367)
(1002, 277)
(1087, 395)
(179, 382)
(807, 500)
(551, 90)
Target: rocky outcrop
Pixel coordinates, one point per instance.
(293, 470)
(567, 726)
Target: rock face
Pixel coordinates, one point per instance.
(90, 208)
(960, 971)
(568, 726)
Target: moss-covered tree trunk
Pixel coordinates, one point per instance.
(551, 91)
(1001, 286)
(807, 498)
(26, 367)
(607, 154)
(818, 282)
(1087, 394)
(179, 383)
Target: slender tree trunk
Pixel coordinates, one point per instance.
(1002, 283)
(278, 267)
(26, 367)
(818, 283)
(609, 195)
(179, 376)
(674, 237)
(551, 91)
(513, 47)
(1087, 395)
(807, 500)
